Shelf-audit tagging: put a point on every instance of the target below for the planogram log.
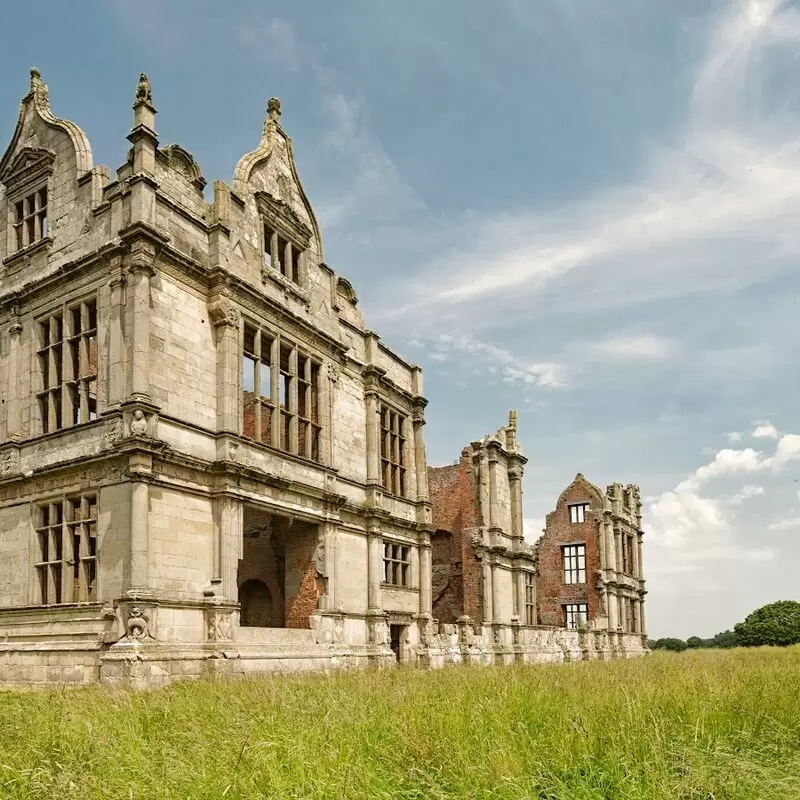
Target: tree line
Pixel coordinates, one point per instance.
(776, 624)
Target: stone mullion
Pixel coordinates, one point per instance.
(275, 380)
(291, 401)
(638, 548)
(83, 550)
(83, 364)
(66, 552)
(374, 570)
(309, 433)
(257, 407)
(287, 260)
(273, 251)
(326, 403)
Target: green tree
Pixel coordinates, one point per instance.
(724, 639)
(774, 624)
(693, 642)
(675, 645)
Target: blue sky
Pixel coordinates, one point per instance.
(587, 211)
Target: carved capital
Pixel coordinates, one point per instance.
(223, 313)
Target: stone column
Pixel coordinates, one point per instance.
(374, 571)
(140, 525)
(331, 602)
(635, 554)
(425, 576)
(115, 388)
(15, 391)
(225, 318)
(373, 436)
(488, 592)
(618, 549)
(642, 626)
(515, 489)
(493, 515)
(141, 269)
(519, 594)
(327, 382)
(273, 252)
(496, 614)
(639, 565)
(420, 461)
(228, 545)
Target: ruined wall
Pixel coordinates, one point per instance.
(452, 493)
(551, 591)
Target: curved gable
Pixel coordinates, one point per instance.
(270, 170)
(580, 483)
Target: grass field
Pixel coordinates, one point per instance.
(703, 724)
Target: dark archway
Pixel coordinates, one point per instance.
(256, 604)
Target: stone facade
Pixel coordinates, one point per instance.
(516, 602)
(208, 463)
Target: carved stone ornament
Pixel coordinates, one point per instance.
(138, 624)
(219, 625)
(139, 423)
(221, 311)
(143, 90)
(333, 372)
(113, 431)
(9, 462)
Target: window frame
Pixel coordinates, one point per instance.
(68, 365)
(287, 408)
(574, 613)
(293, 238)
(578, 513)
(71, 537)
(393, 449)
(573, 563)
(397, 563)
(530, 598)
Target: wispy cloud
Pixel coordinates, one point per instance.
(637, 347)
(486, 357)
(784, 525)
(727, 183)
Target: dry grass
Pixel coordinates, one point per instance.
(704, 724)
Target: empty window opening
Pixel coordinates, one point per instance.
(277, 576)
(66, 533)
(530, 599)
(393, 451)
(281, 255)
(397, 564)
(67, 355)
(574, 556)
(30, 219)
(576, 615)
(577, 512)
(280, 386)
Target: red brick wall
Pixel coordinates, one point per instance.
(452, 493)
(551, 591)
(282, 556)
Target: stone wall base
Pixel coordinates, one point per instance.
(125, 645)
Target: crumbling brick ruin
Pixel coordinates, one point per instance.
(208, 463)
(531, 603)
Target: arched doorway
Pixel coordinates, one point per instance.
(256, 604)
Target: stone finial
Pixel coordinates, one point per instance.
(512, 419)
(39, 89)
(273, 109)
(144, 92)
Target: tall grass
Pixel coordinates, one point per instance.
(703, 724)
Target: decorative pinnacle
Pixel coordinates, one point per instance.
(273, 109)
(144, 93)
(512, 419)
(36, 77)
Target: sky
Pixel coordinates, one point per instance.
(587, 211)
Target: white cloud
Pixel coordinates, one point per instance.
(785, 525)
(765, 430)
(644, 347)
(734, 437)
(731, 180)
(745, 493)
(487, 357)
